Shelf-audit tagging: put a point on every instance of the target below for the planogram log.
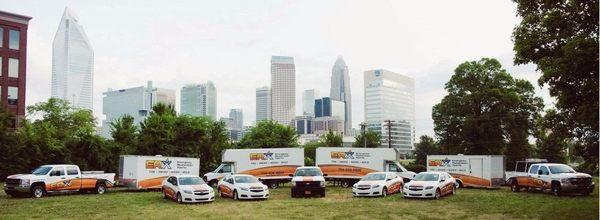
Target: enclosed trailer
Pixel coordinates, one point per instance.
(147, 172)
(347, 165)
(470, 170)
(271, 165)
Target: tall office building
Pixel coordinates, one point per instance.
(199, 100)
(72, 63)
(390, 99)
(283, 89)
(326, 106)
(263, 104)
(136, 102)
(340, 90)
(308, 101)
(237, 117)
(13, 55)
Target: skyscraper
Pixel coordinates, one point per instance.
(13, 55)
(390, 99)
(308, 101)
(72, 63)
(263, 104)
(136, 102)
(237, 117)
(283, 89)
(340, 90)
(199, 100)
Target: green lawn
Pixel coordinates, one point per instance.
(339, 204)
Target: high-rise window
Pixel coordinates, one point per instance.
(0, 62)
(13, 39)
(13, 67)
(13, 95)
(1, 37)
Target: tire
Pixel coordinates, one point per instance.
(273, 185)
(384, 192)
(38, 191)
(345, 184)
(100, 188)
(438, 194)
(179, 198)
(164, 193)
(453, 190)
(213, 183)
(556, 189)
(219, 192)
(235, 195)
(460, 184)
(514, 186)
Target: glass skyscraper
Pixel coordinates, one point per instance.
(263, 104)
(199, 100)
(340, 90)
(283, 89)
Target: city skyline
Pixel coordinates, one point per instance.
(411, 48)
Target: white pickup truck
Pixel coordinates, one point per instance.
(559, 178)
(58, 178)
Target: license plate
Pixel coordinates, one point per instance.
(307, 192)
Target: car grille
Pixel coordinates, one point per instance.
(308, 184)
(415, 188)
(200, 192)
(415, 194)
(581, 181)
(256, 190)
(13, 181)
(363, 187)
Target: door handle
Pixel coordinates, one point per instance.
(62, 178)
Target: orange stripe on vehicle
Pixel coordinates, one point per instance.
(345, 170)
(468, 180)
(151, 183)
(272, 171)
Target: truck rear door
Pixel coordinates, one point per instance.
(74, 177)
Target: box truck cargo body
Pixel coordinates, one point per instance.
(147, 172)
(348, 165)
(271, 165)
(470, 170)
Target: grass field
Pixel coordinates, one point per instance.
(339, 204)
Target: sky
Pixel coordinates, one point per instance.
(231, 43)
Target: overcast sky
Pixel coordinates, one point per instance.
(231, 42)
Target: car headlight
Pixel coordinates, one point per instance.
(293, 183)
(187, 191)
(322, 183)
(375, 186)
(405, 187)
(244, 188)
(429, 187)
(25, 182)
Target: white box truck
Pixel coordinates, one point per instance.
(148, 172)
(470, 170)
(272, 165)
(348, 165)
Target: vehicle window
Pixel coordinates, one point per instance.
(225, 169)
(393, 168)
(561, 169)
(171, 180)
(72, 171)
(534, 169)
(246, 179)
(374, 176)
(230, 180)
(59, 171)
(308, 172)
(544, 170)
(43, 170)
(190, 181)
(426, 177)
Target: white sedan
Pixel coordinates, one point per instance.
(241, 186)
(187, 189)
(430, 185)
(378, 184)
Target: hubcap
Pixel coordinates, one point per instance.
(100, 189)
(38, 192)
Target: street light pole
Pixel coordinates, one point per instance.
(363, 129)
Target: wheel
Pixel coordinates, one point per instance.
(452, 191)
(345, 184)
(213, 183)
(514, 186)
(235, 195)
(179, 199)
(460, 184)
(38, 191)
(273, 185)
(100, 188)
(438, 195)
(384, 192)
(556, 189)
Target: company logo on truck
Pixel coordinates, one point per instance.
(158, 164)
(268, 156)
(446, 163)
(348, 155)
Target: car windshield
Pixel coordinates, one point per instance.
(561, 169)
(190, 181)
(43, 170)
(375, 176)
(426, 177)
(246, 179)
(308, 172)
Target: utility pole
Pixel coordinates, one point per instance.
(389, 127)
(363, 129)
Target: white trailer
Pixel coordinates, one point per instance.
(348, 165)
(271, 165)
(470, 170)
(148, 172)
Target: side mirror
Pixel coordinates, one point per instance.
(291, 175)
(389, 180)
(540, 172)
(442, 180)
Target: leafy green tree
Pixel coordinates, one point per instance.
(9, 147)
(373, 140)
(125, 133)
(331, 139)
(269, 134)
(157, 131)
(561, 38)
(552, 137)
(310, 151)
(486, 111)
(426, 146)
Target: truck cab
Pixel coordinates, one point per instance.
(558, 178)
(226, 168)
(393, 166)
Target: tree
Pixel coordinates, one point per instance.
(125, 133)
(552, 137)
(310, 151)
(269, 134)
(486, 111)
(157, 131)
(561, 38)
(426, 146)
(331, 139)
(9, 147)
(373, 139)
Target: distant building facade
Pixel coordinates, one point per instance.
(308, 101)
(303, 124)
(327, 107)
(199, 100)
(263, 104)
(322, 125)
(340, 90)
(283, 89)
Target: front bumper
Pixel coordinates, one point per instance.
(367, 192)
(253, 195)
(9, 189)
(568, 187)
(308, 191)
(425, 193)
(190, 198)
